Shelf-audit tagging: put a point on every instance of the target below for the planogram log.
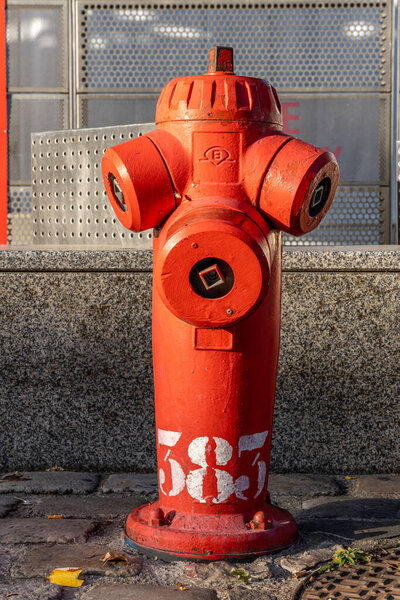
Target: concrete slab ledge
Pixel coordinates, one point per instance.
(106, 259)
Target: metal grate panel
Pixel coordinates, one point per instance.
(359, 216)
(329, 45)
(70, 205)
(19, 217)
(37, 46)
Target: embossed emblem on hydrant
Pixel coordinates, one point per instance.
(220, 181)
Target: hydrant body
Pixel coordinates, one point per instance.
(218, 180)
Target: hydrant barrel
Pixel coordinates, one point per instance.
(219, 181)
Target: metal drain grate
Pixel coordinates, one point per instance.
(376, 580)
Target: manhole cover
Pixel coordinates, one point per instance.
(378, 579)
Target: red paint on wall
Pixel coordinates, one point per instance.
(286, 116)
(3, 126)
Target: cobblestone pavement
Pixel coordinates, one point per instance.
(332, 512)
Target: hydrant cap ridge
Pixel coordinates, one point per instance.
(219, 95)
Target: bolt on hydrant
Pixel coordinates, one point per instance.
(219, 182)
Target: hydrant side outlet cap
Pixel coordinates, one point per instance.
(138, 184)
(219, 95)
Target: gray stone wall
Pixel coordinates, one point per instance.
(76, 376)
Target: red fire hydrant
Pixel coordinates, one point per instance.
(219, 181)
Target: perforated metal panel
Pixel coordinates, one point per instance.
(325, 45)
(70, 205)
(37, 45)
(19, 217)
(359, 216)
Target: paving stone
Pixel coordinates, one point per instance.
(40, 561)
(8, 556)
(351, 529)
(302, 484)
(259, 569)
(30, 590)
(144, 484)
(378, 485)
(61, 531)
(243, 594)
(81, 507)
(7, 504)
(210, 573)
(50, 482)
(350, 508)
(307, 560)
(146, 592)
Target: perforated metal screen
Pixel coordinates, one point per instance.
(19, 218)
(358, 213)
(70, 205)
(308, 46)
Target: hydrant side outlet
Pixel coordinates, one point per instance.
(219, 180)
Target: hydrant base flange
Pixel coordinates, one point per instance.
(184, 536)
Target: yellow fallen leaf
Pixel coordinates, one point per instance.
(67, 577)
(55, 516)
(110, 557)
(350, 477)
(299, 573)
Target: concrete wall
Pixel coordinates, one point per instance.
(75, 367)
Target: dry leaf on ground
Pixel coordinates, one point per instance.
(17, 476)
(55, 516)
(109, 557)
(67, 577)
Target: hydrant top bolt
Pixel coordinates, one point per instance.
(194, 245)
(229, 311)
(221, 59)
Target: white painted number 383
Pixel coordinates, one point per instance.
(193, 481)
